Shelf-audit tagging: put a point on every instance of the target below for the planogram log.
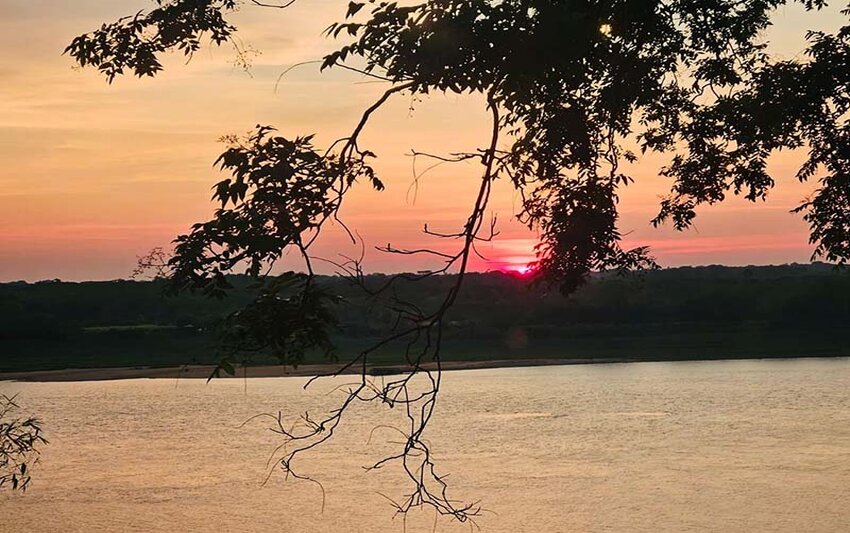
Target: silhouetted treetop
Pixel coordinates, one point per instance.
(574, 80)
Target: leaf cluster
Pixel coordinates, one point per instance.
(20, 440)
(135, 43)
(278, 196)
(289, 317)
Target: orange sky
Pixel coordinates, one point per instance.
(93, 175)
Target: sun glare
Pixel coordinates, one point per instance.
(522, 271)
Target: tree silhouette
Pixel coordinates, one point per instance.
(568, 84)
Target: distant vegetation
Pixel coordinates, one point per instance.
(681, 313)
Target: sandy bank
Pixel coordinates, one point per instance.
(203, 371)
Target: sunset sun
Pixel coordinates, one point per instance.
(522, 268)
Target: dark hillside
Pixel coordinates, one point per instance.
(681, 313)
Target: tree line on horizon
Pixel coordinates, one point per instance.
(499, 316)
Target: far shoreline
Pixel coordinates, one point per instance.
(308, 370)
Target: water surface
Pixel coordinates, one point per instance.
(702, 446)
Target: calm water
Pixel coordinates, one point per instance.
(713, 446)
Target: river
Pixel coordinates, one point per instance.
(758, 445)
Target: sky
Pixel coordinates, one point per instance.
(93, 175)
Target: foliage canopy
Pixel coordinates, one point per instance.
(569, 84)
